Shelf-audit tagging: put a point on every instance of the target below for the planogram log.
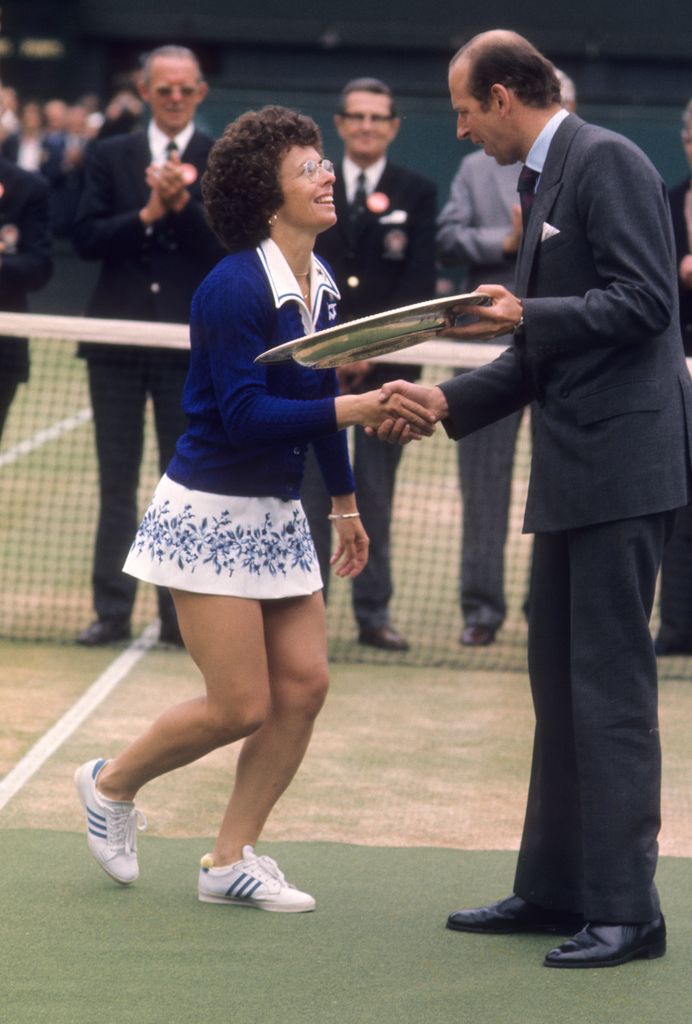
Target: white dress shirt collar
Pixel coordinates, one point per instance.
(538, 153)
(158, 141)
(351, 170)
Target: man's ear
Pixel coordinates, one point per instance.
(501, 97)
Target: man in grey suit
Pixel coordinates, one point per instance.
(480, 228)
(597, 350)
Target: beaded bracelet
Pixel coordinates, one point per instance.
(344, 515)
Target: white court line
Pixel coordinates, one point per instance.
(44, 436)
(73, 718)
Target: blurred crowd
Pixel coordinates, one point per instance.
(53, 138)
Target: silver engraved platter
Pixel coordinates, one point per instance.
(373, 335)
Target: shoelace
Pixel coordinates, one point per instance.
(123, 826)
(271, 868)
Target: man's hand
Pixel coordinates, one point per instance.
(400, 399)
(168, 190)
(512, 240)
(154, 210)
(495, 320)
(171, 185)
(685, 271)
(373, 408)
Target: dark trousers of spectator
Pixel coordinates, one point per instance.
(485, 461)
(676, 585)
(119, 395)
(374, 465)
(8, 390)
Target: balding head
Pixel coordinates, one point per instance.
(501, 57)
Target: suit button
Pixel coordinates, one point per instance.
(296, 451)
(155, 287)
(565, 392)
(353, 281)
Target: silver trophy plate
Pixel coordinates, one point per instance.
(374, 335)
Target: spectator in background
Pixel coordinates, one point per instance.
(675, 633)
(141, 215)
(122, 115)
(9, 104)
(24, 146)
(69, 179)
(480, 229)
(382, 253)
(25, 264)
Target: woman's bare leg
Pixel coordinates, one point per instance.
(225, 637)
(295, 640)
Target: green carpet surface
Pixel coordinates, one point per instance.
(78, 948)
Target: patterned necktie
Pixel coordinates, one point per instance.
(359, 197)
(526, 187)
(171, 148)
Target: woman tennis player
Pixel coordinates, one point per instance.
(225, 530)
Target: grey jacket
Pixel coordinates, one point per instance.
(600, 354)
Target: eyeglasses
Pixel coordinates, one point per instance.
(311, 169)
(164, 91)
(362, 118)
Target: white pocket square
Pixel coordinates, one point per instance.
(548, 231)
(395, 217)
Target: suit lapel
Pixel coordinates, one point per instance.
(548, 190)
(138, 159)
(343, 213)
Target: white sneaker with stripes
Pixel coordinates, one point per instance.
(251, 882)
(112, 826)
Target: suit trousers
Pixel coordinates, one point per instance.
(374, 467)
(119, 393)
(589, 843)
(485, 461)
(8, 389)
(676, 585)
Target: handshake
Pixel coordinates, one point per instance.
(397, 413)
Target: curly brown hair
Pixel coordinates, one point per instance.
(240, 186)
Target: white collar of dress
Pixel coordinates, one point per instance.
(283, 283)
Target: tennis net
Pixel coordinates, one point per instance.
(49, 508)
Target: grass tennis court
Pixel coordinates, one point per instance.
(408, 805)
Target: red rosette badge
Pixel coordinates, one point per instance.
(377, 202)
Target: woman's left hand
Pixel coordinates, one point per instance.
(351, 555)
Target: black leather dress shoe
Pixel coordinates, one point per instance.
(477, 635)
(384, 637)
(607, 945)
(514, 915)
(105, 631)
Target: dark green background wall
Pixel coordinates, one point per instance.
(632, 64)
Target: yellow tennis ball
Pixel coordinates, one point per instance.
(207, 861)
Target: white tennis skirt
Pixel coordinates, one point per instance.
(218, 544)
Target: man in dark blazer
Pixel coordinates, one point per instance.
(382, 253)
(675, 631)
(25, 264)
(597, 350)
(141, 215)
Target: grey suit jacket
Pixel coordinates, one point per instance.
(600, 354)
(476, 218)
